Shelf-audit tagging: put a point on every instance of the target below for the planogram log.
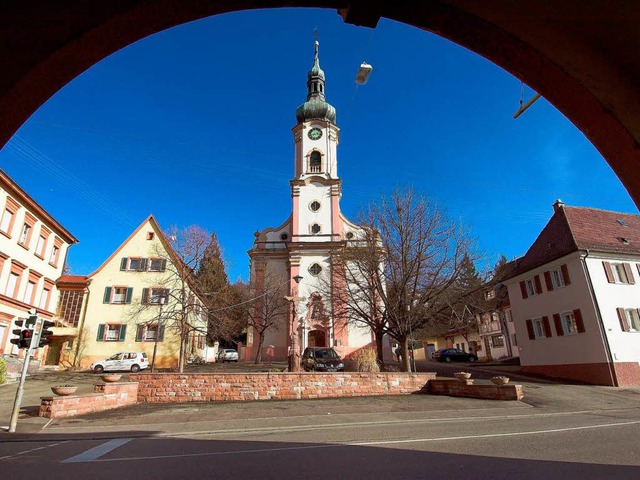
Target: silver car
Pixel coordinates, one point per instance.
(131, 361)
(228, 355)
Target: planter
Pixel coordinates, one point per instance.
(499, 380)
(112, 377)
(64, 390)
(462, 375)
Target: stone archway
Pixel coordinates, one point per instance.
(575, 54)
(317, 338)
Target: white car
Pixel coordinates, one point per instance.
(131, 361)
(228, 355)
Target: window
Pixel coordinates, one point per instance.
(12, 284)
(618, 273)
(40, 246)
(531, 289)
(569, 326)
(117, 295)
(155, 295)
(315, 162)
(497, 341)
(557, 279)
(6, 222)
(111, 332)
(150, 235)
(55, 252)
(28, 293)
(284, 236)
(489, 294)
(314, 206)
(531, 286)
(349, 235)
(150, 332)
(157, 265)
(629, 319)
(315, 269)
(25, 233)
(315, 229)
(44, 298)
(538, 328)
(133, 264)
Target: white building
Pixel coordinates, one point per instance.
(33, 250)
(304, 243)
(498, 338)
(575, 298)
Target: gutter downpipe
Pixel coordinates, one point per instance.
(603, 335)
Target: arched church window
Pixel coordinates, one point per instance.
(315, 162)
(315, 269)
(314, 206)
(315, 229)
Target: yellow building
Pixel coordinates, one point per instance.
(136, 300)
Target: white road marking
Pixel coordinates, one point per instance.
(96, 452)
(33, 450)
(358, 444)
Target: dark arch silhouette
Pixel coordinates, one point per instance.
(579, 54)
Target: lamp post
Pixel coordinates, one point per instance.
(294, 353)
(155, 343)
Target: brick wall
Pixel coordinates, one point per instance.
(106, 396)
(176, 388)
(466, 388)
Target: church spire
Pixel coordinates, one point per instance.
(316, 107)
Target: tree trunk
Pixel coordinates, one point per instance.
(259, 351)
(404, 346)
(182, 350)
(379, 350)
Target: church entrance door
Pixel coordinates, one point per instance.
(317, 338)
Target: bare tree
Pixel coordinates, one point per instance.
(400, 276)
(269, 309)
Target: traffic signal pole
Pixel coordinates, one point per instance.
(35, 341)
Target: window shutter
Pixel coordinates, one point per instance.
(100, 336)
(547, 326)
(164, 265)
(558, 323)
(629, 273)
(166, 295)
(107, 295)
(623, 319)
(123, 332)
(123, 263)
(160, 333)
(127, 298)
(608, 272)
(145, 296)
(532, 335)
(538, 284)
(523, 289)
(547, 280)
(577, 314)
(565, 275)
(139, 333)
(143, 264)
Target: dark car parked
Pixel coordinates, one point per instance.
(454, 355)
(321, 359)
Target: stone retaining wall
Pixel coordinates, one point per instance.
(466, 388)
(211, 387)
(106, 396)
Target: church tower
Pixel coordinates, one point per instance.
(295, 258)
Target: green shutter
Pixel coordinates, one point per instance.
(164, 265)
(123, 263)
(123, 332)
(166, 295)
(139, 332)
(127, 298)
(160, 333)
(107, 295)
(100, 336)
(145, 296)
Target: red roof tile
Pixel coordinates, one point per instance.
(578, 228)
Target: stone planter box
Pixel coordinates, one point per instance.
(500, 380)
(111, 377)
(63, 390)
(462, 375)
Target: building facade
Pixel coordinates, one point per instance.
(498, 338)
(33, 252)
(133, 302)
(304, 245)
(575, 298)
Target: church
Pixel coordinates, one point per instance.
(294, 260)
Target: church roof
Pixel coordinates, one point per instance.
(316, 107)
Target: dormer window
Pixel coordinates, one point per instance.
(315, 162)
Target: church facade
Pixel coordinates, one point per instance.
(295, 258)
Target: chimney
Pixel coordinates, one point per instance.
(558, 203)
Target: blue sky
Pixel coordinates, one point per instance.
(193, 124)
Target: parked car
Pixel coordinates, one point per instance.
(454, 355)
(131, 361)
(321, 359)
(227, 355)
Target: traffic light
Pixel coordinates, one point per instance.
(45, 334)
(18, 331)
(25, 338)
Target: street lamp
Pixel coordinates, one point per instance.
(294, 354)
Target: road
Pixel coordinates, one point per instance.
(557, 432)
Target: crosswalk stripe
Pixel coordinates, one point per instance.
(98, 451)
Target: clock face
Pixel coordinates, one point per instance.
(315, 133)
